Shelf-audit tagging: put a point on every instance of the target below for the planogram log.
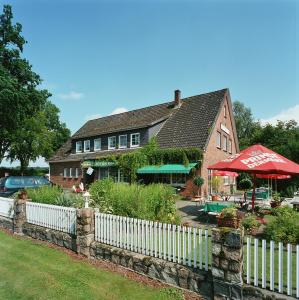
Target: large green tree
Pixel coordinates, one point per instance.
(29, 122)
(245, 124)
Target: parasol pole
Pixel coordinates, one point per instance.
(253, 192)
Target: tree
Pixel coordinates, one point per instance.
(245, 124)
(29, 122)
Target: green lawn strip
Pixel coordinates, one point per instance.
(268, 265)
(34, 271)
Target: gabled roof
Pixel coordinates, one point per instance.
(191, 124)
(139, 118)
(188, 126)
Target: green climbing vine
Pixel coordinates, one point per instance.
(151, 154)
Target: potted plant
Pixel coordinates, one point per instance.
(228, 218)
(198, 182)
(251, 224)
(215, 182)
(245, 184)
(276, 200)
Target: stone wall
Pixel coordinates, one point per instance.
(175, 274)
(6, 223)
(50, 235)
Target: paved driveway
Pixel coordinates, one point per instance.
(191, 215)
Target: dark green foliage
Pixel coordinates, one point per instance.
(284, 227)
(152, 202)
(245, 184)
(29, 122)
(198, 181)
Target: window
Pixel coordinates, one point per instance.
(230, 146)
(122, 141)
(87, 146)
(71, 173)
(97, 145)
(224, 143)
(79, 146)
(225, 180)
(111, 142)
(224, 111)
(76, 172)
(65, 172)
(218, 140)
(135, 139)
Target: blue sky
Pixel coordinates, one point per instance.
(100, 56)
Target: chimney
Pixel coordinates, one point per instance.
(177, 99)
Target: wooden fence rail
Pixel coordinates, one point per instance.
(6, 207)
(52, 216)
(184, 245)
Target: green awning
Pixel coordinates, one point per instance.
(167, 169)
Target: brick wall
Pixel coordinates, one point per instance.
(56, 173)
(213, 154)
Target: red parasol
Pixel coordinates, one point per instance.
(273, 176)
(224, 173)
(257, 159)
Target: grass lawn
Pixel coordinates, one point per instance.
(35, 271)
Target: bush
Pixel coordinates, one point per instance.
(152, 202)
(250, 222)
(284, 227)
(55, 196)
(44, 194)
(230, 212)
(245, 184)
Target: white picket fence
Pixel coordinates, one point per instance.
(6, 207)
(185, 245)
(273, 266)
(52, 216)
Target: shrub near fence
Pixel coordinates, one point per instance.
(51, 216)
(184, 245)
(6, 207)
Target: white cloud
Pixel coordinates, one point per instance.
(119, 110)
(92, 117)
(71, 96)
(291, 113)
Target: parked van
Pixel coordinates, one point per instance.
(12, 184)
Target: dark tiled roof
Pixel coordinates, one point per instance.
(190, 125)
(139, 118)
(185, 127)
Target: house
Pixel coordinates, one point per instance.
(204, 122)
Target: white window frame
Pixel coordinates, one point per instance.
(131, 145)
(109, 147)
(225, 140)
(85, 142)
(119, 144)
(65, 173)
(218, 145)
(79, 143)
(94, 144)
(77, 173)
(70, 172)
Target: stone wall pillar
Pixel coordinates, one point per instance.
(19, 217)
(227, 262)
(85, 230)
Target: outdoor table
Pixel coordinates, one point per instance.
(216, 206)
